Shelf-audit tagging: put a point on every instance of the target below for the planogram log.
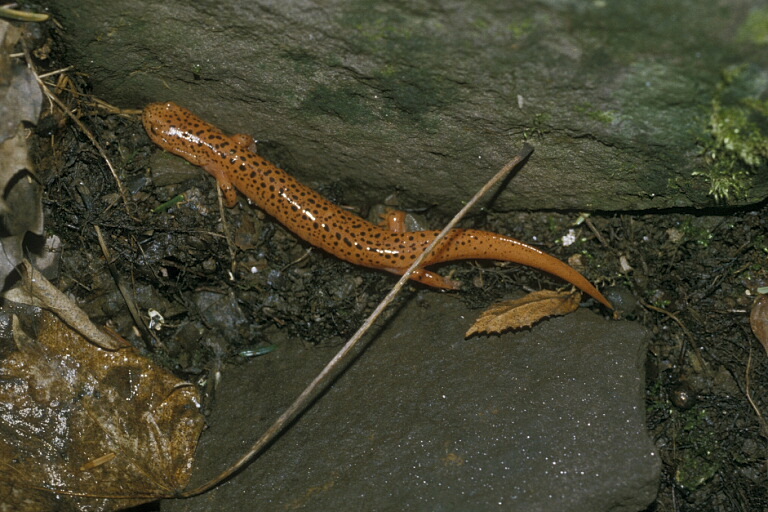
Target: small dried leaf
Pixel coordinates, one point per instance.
(79, 421)
(524, 312)
(38, 291)
(758, 319)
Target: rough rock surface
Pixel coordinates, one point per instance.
(547, 419)
(622, 100)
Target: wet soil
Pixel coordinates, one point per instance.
(224, 289)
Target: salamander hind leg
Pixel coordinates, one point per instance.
(395, 221)
(429, 278)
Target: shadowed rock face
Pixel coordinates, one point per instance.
(622, 100)
(547, 419)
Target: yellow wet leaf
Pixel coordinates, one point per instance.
(524, 312)
(83, 422)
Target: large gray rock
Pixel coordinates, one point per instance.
(552, 418)
(624, 101)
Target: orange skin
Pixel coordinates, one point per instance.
(323, 224)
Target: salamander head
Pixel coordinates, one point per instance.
(158, 118)
(169, 125)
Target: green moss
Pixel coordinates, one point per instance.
(304, 61)
(602, 116)
(414, 91)
(344, 103)
(700, 456)
(699, 234)
(406, 48)
(755, 28)
(737, 141)
(693, 472)
(523, 28)
(734, 132)
(761, 243)
(540, 125)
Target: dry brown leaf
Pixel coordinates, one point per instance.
(758, 319)
(21, 208)
(37, 291)
(524, 312)
(80, 421)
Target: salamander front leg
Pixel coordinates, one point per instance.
(227, 189)
(244, 141)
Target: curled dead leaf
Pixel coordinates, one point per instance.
(98, 430)
(758, 320)
(524, 312)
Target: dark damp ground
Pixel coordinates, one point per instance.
(224, 290)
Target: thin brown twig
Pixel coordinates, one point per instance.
(13, 14)
(689, 335)
(127, 296)
(227, 232)
(334, 365)
(760, 419)
(595, 232)
(56, 72)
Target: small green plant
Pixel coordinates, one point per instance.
(700, 234)
(737, 142)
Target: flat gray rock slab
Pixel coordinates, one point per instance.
(546, 419)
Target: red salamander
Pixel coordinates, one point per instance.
(325, 225)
